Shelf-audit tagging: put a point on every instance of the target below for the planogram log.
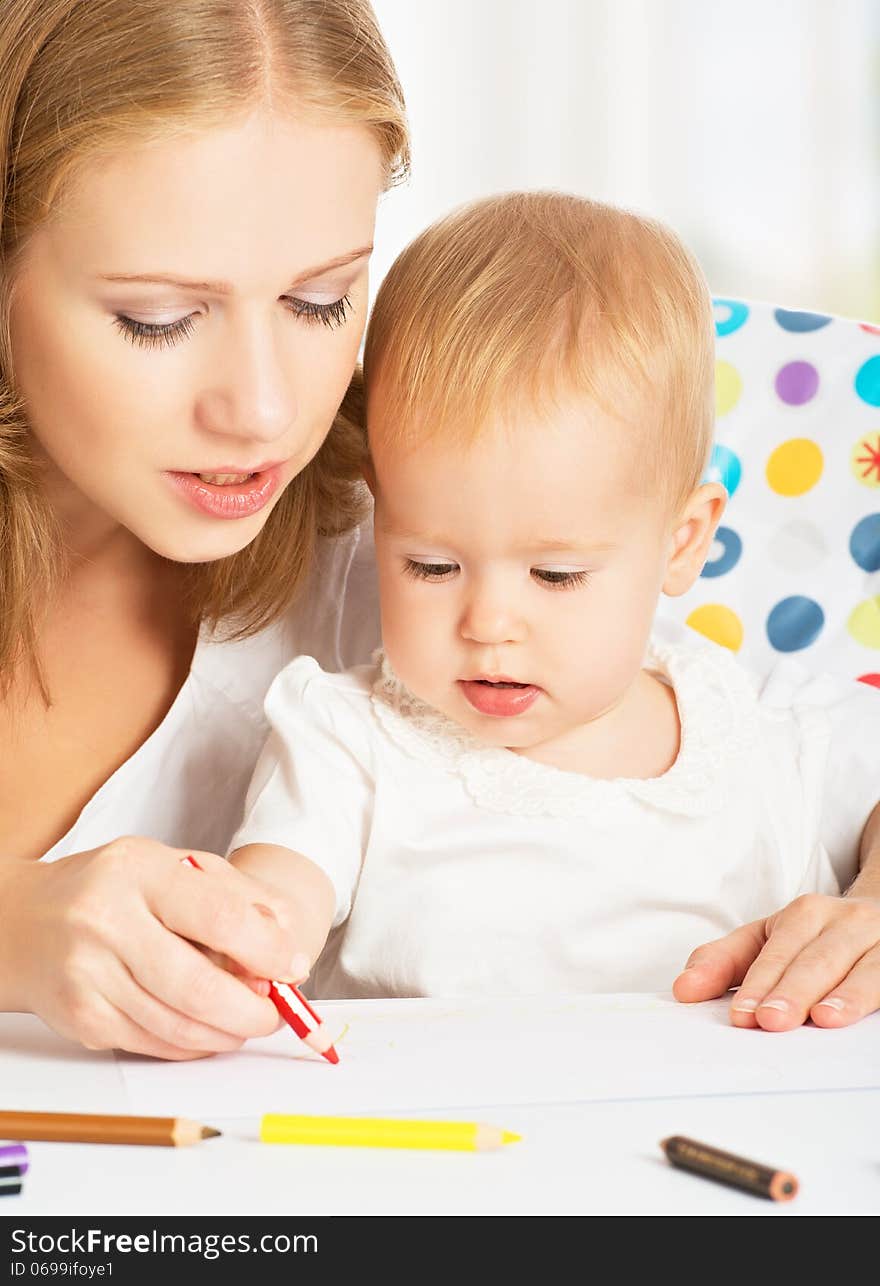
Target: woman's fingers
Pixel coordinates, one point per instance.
(814, 948)
(855, 997)
(816, 958)
(128, 926)
(717, 966)
(99, 1024)
(195, 1000)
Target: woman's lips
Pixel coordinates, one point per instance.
(229, 500)
(499, 699)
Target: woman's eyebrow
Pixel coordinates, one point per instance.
(224, 287)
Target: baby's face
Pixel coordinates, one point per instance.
(519, 576)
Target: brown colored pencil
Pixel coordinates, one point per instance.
(64, 1127)
(725, 1167)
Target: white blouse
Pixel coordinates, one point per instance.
(186, 784)
(463, 869)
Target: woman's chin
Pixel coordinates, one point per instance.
(219, 539)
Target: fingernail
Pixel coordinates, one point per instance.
(775, 1002)
(746, 1005)
(694, 964)
(833, 1002)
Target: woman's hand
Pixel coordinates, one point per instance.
(818, 958)
(105, 947)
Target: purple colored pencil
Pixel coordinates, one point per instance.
(14, 1154)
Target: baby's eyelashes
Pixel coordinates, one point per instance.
(559, 579)
(440, 570)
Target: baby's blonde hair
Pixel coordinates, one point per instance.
(529, 297)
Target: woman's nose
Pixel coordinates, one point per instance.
(250, 395)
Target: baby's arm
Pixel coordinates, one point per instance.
(308, 897)
(818, 958)
(311, 792)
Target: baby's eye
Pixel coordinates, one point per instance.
(428, 571)
(560, 579)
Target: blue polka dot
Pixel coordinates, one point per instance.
(724, 467)
(794, 623)
(731, 548)
(732, 315)
(864, 543)
(800, 322)
(868, 381)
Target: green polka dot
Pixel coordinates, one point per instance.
(794, 467)
(864, 622)
(718, 623)
(728, 387)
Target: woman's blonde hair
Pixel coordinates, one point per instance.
(78, 77)
(525, 298)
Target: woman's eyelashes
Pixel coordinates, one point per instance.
(164, 334)
(550, 578)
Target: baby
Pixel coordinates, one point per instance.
(530, 789)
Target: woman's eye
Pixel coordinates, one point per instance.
(428, 571)
(163, 335)
(152, 335)
(560, 579)
(332, 315)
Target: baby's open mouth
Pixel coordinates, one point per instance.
(501, 683)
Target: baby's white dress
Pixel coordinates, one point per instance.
(462, 869)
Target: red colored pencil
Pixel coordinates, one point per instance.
(287, 999)
(290, 1003)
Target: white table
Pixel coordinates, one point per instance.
(587, 1157)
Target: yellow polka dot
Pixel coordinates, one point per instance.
(794, 467)
(864, 622)
(865, 460)
(718, 623)
(728, 387)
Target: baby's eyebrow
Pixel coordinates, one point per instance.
(537, 545)
(568, 546)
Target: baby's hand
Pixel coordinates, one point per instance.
(818, 958)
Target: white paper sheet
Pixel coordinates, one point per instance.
(407, 1055)
(41, 1072)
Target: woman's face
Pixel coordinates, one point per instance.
(195, 307)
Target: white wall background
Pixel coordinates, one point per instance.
(751, 126)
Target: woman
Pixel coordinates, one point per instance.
(187, 219)
(173, 472)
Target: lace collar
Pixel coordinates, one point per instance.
(717, 710)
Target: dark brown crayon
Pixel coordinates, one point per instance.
(725, 1167)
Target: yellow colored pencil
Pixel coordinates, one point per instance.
(373, 1132)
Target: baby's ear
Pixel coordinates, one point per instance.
(692, 536)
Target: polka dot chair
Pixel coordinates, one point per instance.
(795, 567)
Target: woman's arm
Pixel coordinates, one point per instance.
(818, 958)
(104, 946)
(867, 882)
